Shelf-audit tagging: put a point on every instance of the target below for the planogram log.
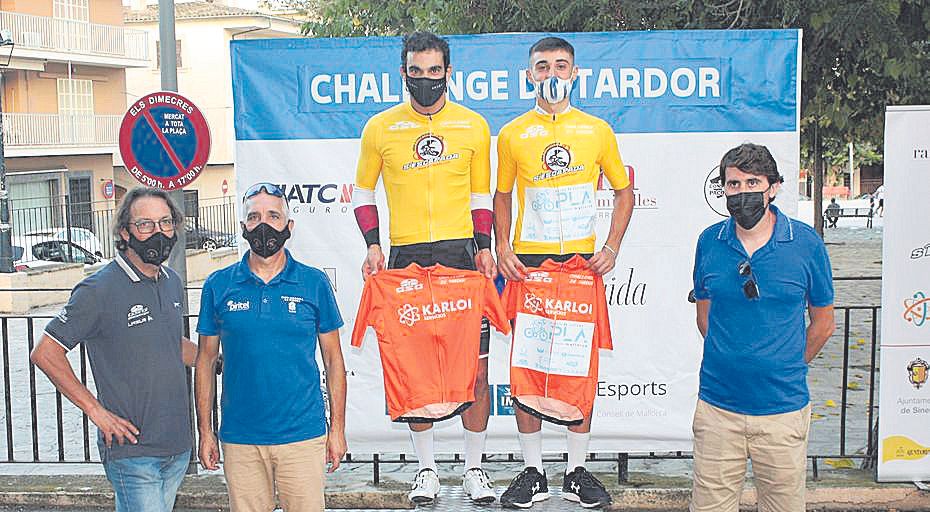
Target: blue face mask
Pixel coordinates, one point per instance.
(554, 89)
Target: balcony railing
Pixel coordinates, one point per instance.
(25, 130)
(54, 34)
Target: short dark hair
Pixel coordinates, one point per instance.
(548, 44)
(124, 211)
(752, 159)
(422, 41)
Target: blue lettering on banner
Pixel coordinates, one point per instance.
(639, 82)
(503, 405)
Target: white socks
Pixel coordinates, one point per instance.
(474, 448)
(423, 447)
(577, 449)
(531, 445)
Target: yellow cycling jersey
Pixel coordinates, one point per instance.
(430, 167)
(556, 161)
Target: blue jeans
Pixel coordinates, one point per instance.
(147, 484)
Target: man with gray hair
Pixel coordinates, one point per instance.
(270, 311)
(129, 317)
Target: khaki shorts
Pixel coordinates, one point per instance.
(776, 444)
(253, 472)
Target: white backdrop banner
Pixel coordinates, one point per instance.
(677, 101)
(904, 397)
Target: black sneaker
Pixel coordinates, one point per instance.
(525, 489)
(582, 487)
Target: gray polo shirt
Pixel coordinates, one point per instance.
(131, 326)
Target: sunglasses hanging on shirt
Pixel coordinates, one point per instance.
(750, 287)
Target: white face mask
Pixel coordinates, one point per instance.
(554, 89)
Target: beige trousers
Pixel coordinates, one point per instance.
(295, 469)
(777, 446)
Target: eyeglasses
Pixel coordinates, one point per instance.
(268, 188)
(750, 288)
(146, 226)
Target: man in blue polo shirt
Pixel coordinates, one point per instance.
(268, 311)
(129, 317)
(755, 276)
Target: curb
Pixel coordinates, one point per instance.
(845, 499)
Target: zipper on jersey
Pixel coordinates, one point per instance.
(555, 136)
(552, 326)
(429, 186)
(441, 363)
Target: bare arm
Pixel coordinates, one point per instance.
(703, 308)
(188, 352)
(507, 261)
(819, 331)
(604, 260)
(51, 358)
(208, 349)
(336, 390)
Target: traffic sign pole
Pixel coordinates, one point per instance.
(169, 82)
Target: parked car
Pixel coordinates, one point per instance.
(32, 252)
(199, 237)
(84, 238)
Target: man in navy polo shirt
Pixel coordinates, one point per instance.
(755, 276)
(129, 317)
(268, 311)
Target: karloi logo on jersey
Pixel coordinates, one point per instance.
(409, 285)
(555, 307)
(409, 314)
(557, 160)
(429, 149)
(532, 303)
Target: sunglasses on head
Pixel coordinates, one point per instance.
(268, 188)
(750, 288)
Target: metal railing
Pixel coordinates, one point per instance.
(212, 223)
(39, 428)
(24, 130)
(69, 36)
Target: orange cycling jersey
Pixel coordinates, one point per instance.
(435, 170)
(561, 321)
(428, 321)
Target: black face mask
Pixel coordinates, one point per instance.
(265, 240)
(747, 208)
(426, 91)
(155, 249)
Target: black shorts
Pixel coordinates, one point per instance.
(535, 260)
(458, 253)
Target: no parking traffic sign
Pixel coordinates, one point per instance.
(164, 141)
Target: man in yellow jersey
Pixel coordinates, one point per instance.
(433, 158)
(555, 153)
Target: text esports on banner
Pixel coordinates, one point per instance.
(164, 141)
